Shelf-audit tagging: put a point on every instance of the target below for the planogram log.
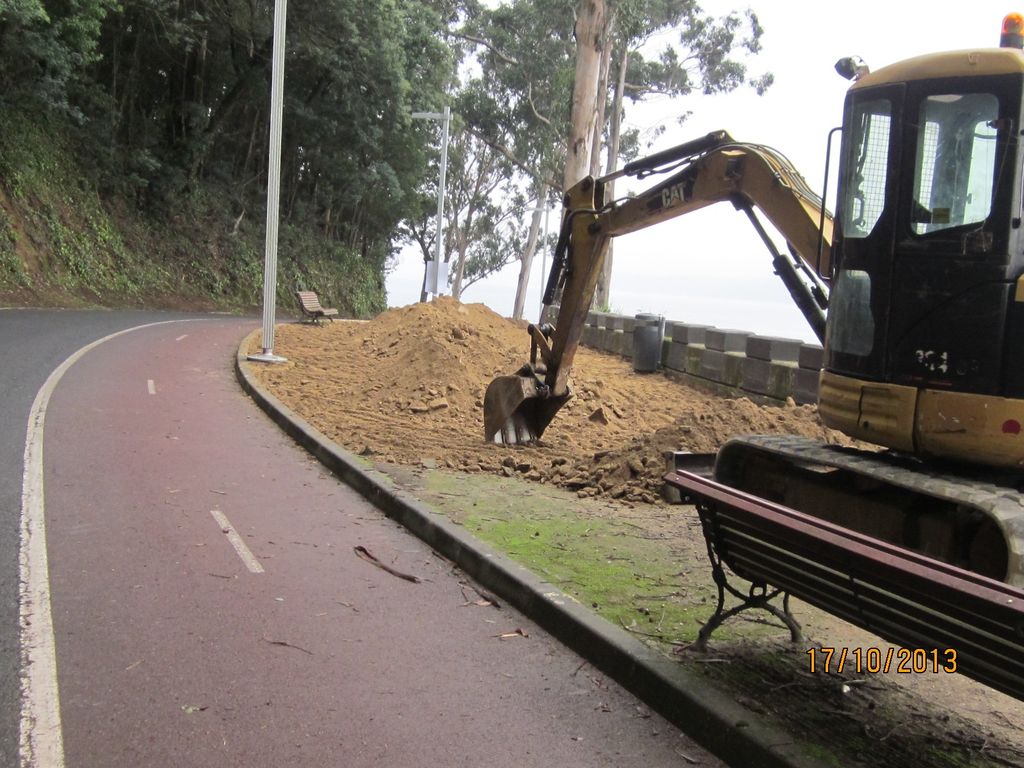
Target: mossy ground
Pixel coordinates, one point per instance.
(632, 578)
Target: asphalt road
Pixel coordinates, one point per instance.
(210, 606)
(32, 344)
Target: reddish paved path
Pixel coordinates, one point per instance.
(171, 653)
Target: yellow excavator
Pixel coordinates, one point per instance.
(915, 286)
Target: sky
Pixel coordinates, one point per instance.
(709, 267)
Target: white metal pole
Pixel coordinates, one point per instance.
(273, 185)
(439, 245)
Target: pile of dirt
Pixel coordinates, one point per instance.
(408, 387)
(635, 470)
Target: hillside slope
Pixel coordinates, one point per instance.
(68, 239)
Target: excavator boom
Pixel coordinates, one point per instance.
(709, 170)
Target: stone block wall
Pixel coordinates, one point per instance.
(725, 361)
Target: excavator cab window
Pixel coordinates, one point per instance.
(854, 334)
(864, 190)
(867, 166)
(955, 161)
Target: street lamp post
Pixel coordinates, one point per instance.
(444, 117)
(273, 187)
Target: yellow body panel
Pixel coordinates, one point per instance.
(980, 429)
(877, 413)
(975, 428)
(987, 61)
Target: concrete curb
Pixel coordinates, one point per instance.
(730, 731)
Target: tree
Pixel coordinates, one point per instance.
(530, 250)
(46, 51)
(593, 24)
(482, 208)
(516, 100)
(551, 101)
(186, 86)
(702, 59)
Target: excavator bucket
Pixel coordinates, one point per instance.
(517, 409)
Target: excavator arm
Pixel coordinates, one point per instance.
(710, 170)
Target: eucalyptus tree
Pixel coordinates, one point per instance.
(517, 100)
(704, 54)
(552, 99)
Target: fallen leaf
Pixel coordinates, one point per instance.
(517, 632)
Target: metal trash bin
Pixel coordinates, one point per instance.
(648, 335)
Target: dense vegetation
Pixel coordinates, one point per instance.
(133, 149)
(134, 134)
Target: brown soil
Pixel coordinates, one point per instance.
(408, 388)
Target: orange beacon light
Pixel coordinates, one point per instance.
(1013, 31)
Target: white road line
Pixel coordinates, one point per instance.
(183, 336)
(236, 541)
(41, 741)
(151, 386)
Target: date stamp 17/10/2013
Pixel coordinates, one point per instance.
(873, 660)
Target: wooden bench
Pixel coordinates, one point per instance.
(904, 597)
(309, 302)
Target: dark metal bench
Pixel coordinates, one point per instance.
(906, 598)
(309, 302)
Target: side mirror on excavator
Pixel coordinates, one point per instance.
(852, 68)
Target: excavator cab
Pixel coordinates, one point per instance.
(926, 314)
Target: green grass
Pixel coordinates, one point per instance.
(609, 564)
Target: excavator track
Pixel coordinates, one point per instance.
(974, 521)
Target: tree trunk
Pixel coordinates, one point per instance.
(602, 99)
(259, 64)
(602, 296)
(423, 290)
(590, 27)
(526, 261)
(461, 235)
(460, 266)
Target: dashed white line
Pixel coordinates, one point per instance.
(236, 541)
(151, 386)
(41, 740)
(183, 336)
